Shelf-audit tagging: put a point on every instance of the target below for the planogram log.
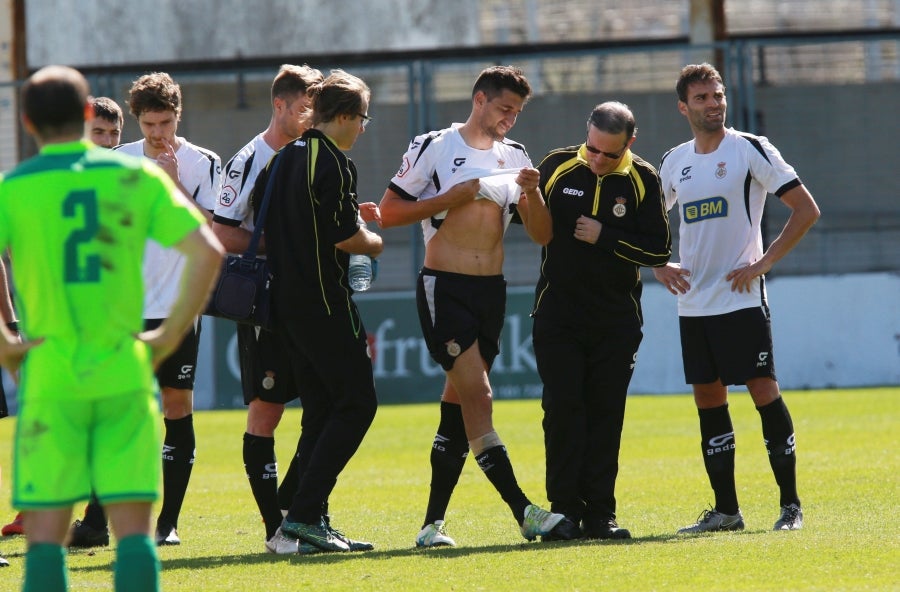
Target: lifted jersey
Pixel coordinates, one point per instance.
(199, 171)
(436, 161)
(721, 196)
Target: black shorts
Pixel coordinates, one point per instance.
(265, 366)
(456, 309)
(732, 347)
(332, 368)
(179, 369)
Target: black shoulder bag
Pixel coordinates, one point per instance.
(242, 293)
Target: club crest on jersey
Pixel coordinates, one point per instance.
(720, 171)
(619, 209)
(500, 163)
(227, 196)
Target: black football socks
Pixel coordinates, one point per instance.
(448, 456)
(778, 432)
(262, 473)
(718, 456)
(178, 462)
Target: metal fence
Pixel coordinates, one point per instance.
(827, 101)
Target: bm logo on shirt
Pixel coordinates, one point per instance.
(704, 209)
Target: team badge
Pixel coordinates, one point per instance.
(404, 167)
(453, 348)
(268, 382)
(500, 163)
(720, 171)
(619, 209)
(227, 196)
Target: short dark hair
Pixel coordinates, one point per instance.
(695, 73)
(339, 94)
(54, 99)
(292, 80)
(108, 109)
(494, 80)
(613, 117)
(154, 92)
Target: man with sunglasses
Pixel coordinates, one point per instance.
(606, 220)
(721, 179)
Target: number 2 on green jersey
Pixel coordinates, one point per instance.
(78, 269)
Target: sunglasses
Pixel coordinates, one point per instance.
(610, 155)
(365, 120)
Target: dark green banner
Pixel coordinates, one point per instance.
(404, 372)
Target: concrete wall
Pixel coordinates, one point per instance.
(96, 32)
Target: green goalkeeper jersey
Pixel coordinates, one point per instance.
(76, 219)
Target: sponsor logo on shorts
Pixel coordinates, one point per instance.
(763, 360)
(186, 372)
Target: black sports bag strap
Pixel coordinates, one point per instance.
(263, 209)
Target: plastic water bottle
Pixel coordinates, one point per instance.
(363, 269)
(362, 272)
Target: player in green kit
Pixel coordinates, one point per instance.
(76, 219)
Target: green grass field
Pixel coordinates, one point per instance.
(848, 475)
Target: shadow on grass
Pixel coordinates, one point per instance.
(218, 561)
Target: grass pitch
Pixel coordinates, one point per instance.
(848, 470)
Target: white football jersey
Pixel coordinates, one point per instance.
(199, 170)
(438, 160)
(720, 198)
(238, 180)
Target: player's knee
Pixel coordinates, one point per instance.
(177, 403)
(263, 417)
